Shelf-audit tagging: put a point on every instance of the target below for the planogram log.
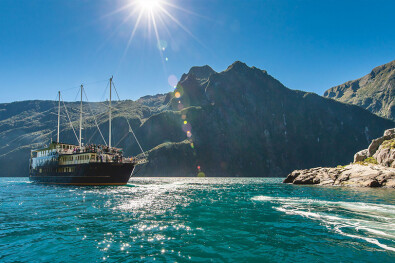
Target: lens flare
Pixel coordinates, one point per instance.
(186, 128)
(172, 80)
(177, 95)
(162, 45)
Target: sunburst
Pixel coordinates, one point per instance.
(154, 15)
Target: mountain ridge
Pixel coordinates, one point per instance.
(238, 122)
(374, 92)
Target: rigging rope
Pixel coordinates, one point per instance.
(94, 117)
(130, 127)
(77, 95)
(121, 140)
(104, 93)
(68, 116)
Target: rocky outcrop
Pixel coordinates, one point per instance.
(372, 167)
(374, 146)
(351, 175)
(361, 156)
(385, 157)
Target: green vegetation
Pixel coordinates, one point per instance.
(388, 144)
(367, 161)
(370, 160)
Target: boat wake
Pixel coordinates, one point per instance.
(373, 223)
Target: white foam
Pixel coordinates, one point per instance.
(378, 221)
(370, 240)
(355, 206)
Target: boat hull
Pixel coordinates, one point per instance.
(86, 174)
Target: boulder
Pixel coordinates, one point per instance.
(389, 132)
(375, 144)
(385, 156)
(361, 156)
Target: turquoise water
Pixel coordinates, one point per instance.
(195, 220)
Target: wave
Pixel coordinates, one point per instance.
(369, 221)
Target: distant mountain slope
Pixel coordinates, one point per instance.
(374, 92)
(28, 125)
(239, 122)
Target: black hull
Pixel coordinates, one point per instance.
(87, 174)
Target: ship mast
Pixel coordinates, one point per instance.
(80, 142)
(109, 117)
(58, 118)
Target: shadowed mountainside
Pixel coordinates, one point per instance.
(239, 122)
(374, 92)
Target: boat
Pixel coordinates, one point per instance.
(70, 164)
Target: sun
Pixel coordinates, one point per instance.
(149, 5)
(155, 16)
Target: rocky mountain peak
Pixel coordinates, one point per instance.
(386, 67)
(238, 66)
(200, 73)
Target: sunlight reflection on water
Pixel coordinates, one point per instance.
(194, 219)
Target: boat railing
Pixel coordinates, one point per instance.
(97, 150)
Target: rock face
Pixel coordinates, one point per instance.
(385, 154)
(376, 143)
(385, 157)
(374, 92)
(373, 167)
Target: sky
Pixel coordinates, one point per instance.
(310, 45)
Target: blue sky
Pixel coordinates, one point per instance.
(51, 45)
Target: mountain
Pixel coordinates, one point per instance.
(374, 92)
(238, 122)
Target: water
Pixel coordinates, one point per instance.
(195, 219)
